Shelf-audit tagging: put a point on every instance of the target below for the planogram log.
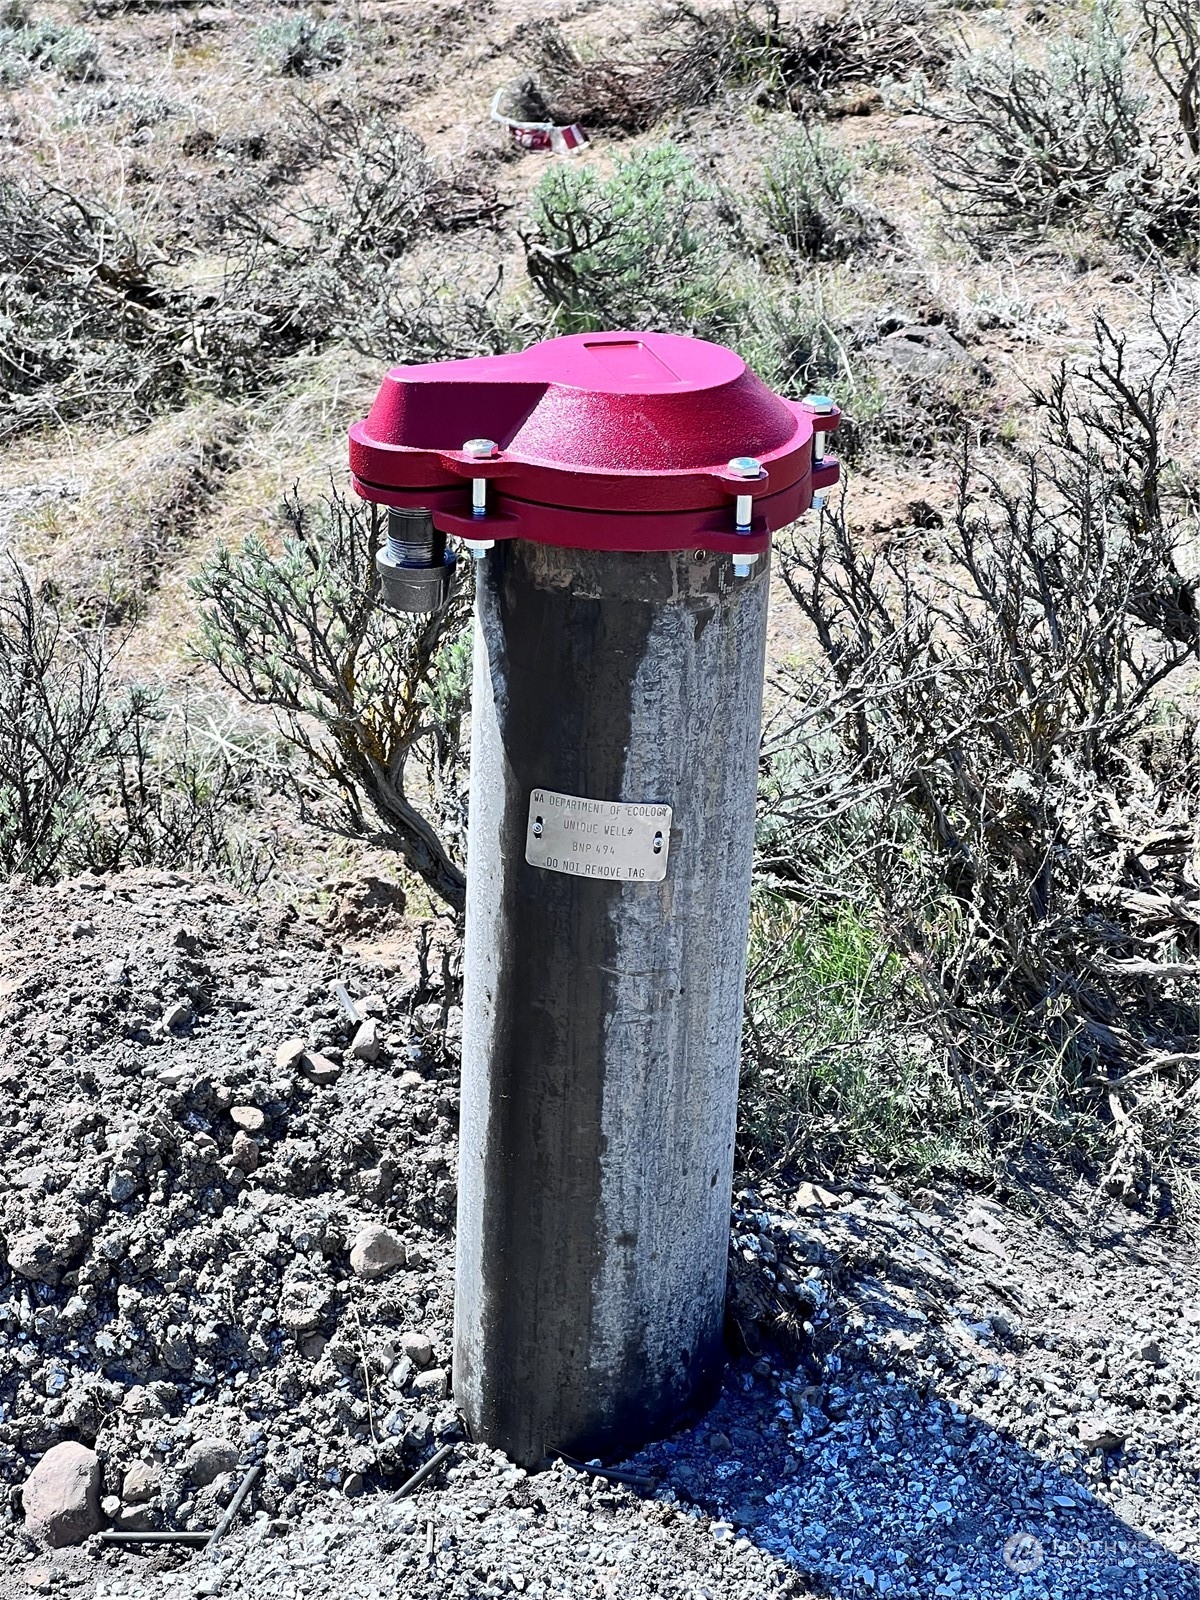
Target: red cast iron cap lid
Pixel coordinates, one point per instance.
(640, 424)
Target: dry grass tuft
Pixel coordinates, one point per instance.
(144, 505)
(694, 57)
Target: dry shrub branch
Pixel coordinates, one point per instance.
(693, 56)
(1173, 46)
(1077, 135)
(96, 323)
(88, 324)
(363, 694)
(102, 775)
(1017, 730)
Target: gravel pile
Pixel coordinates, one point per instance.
(227, 1203)
(1000, 1408)
(227, 1153)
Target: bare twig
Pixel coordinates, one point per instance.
(362, 1355)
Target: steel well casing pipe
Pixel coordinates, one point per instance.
(602, 1020)
(618, 492)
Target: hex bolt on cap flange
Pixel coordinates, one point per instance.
(822, 404)
(744, 467)
(482, 450)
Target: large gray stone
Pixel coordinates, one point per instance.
(61, 1496)
(924, 351)
(288, 1053)
(42, 1254)
(208, 1459)
(32, 1255)
(245, 1152)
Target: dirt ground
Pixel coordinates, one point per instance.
(923, 1378)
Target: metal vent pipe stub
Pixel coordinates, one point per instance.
(415, 569)
(618, 492)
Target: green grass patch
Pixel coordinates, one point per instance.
(832, 1067)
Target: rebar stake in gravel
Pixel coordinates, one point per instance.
(634, 1480)
(235, 1505)
(430, 1467)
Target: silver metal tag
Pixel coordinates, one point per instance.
(598, 838)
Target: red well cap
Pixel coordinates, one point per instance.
(604, 440)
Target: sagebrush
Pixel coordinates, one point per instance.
(100, 321)
(99, 774)
(658, 244)
(1076, 136)
(372, 700)
(1017, 730)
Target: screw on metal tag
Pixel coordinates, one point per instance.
(598, 838)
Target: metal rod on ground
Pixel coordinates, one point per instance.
(635, 1480)
(348, 1005)
(114, 1536)
(235, 1505)
(430, 1467)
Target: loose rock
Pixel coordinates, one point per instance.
(1097, 1433)
(432, 1385)
(366, 1043)
(376, 1251)
(319, 1069)
(245, 1152)
(32, 1255)
(289, 1053)
(61, 1496)
(141, 1483)
(208, 1459)
(418, 1347)
(177, 1016)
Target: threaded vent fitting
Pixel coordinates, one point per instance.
(415, 572)
(412, 539)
